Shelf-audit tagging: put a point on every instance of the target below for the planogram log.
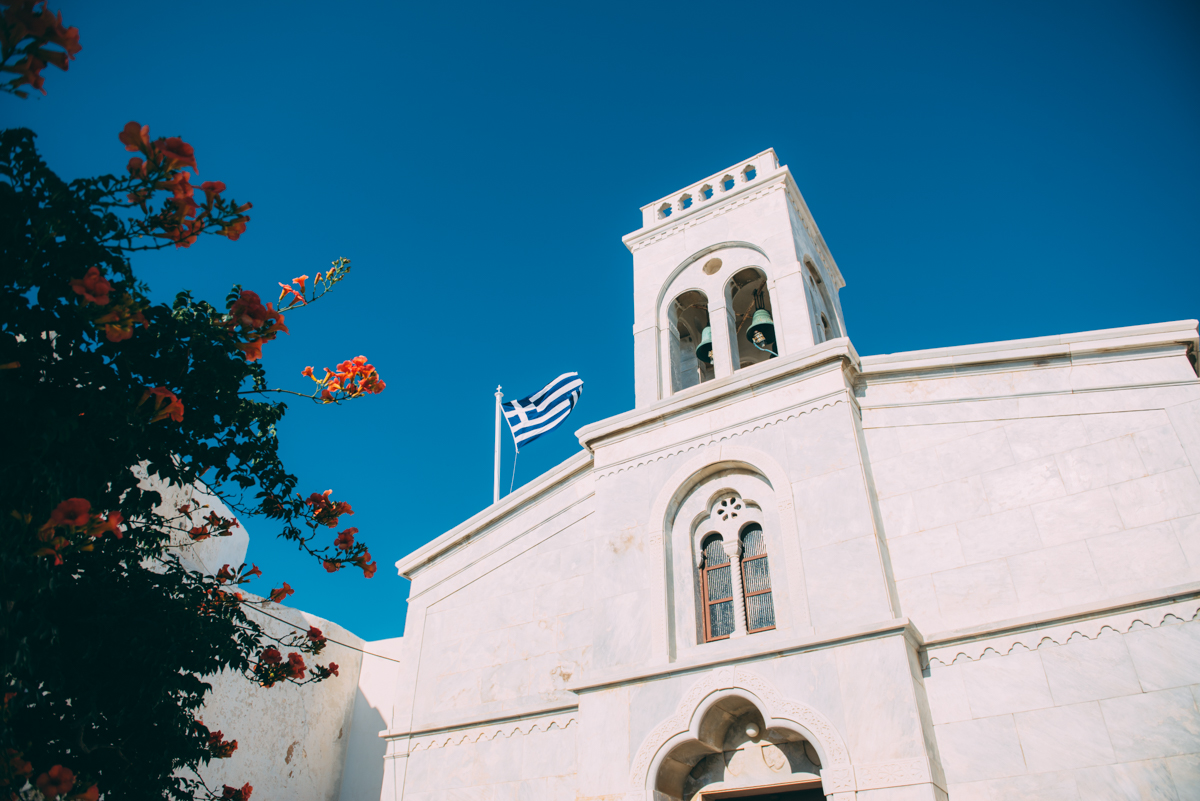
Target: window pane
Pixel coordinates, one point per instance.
(753, 542)
(720, 619)
(760, 611)
(757, 576)
(714, 553)
(720, 584)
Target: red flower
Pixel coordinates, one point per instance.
(90, 794)
(177, 153)
(307, 371)
(369, 570)
(333, 668)
(111, 524)
(165, 404)
(345, 540)
(135, 137)
(71, 512)
(331, 566)
(248, 311)
(92, 286)
(236, 793)
(225, 574)
(272, 656)
(235, 229)
(279, 593)
(212, 190)
(55, 782)
(296, 666)
(254, 571)
(315, 634)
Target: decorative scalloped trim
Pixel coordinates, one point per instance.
(713, 439)
(1182, 612)
(506, 730)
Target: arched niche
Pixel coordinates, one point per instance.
(824, 310)
(734, 731)
(746, 292)
(706, 272)
(690, 352)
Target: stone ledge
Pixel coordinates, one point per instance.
(717, 391)
(888, 628)
(1181, 331)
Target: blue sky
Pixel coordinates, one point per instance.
(980, 172)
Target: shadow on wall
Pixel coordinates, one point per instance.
(362, 776)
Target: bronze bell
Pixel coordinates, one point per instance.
(762, 329)
(704, 349)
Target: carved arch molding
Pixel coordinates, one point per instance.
(839, 777)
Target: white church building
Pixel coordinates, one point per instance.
(794, 572)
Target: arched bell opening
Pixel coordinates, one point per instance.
(691, 340)
(825, 324)
(736, 752)
(750, 299)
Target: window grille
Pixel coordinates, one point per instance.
(756, 580)
(718, 590)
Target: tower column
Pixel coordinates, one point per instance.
(792, 312)
(733, 548)
(720, 317)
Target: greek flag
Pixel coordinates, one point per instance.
(542, 412)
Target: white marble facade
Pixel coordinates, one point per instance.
(984, 561)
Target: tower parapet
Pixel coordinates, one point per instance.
(729, 272)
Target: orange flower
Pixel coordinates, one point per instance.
(369, 570)
(307, 371)
(55, 782)
(253, 571)
(135, 137)
(252, 349)
(136, 167)
(92, 286)
(279, 593)
(331, 566)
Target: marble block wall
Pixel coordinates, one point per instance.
(1025, 506)
(1105, 713)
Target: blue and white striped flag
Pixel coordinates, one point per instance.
(529, 418)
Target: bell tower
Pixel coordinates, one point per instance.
(729, 272)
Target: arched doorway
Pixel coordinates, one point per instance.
(733, 736)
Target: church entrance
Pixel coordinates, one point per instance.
(806, 791)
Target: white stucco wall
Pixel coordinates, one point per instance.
(292, 741)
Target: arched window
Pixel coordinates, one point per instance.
(756, 580)
(716, 587)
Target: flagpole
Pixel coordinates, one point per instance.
(496, 482)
